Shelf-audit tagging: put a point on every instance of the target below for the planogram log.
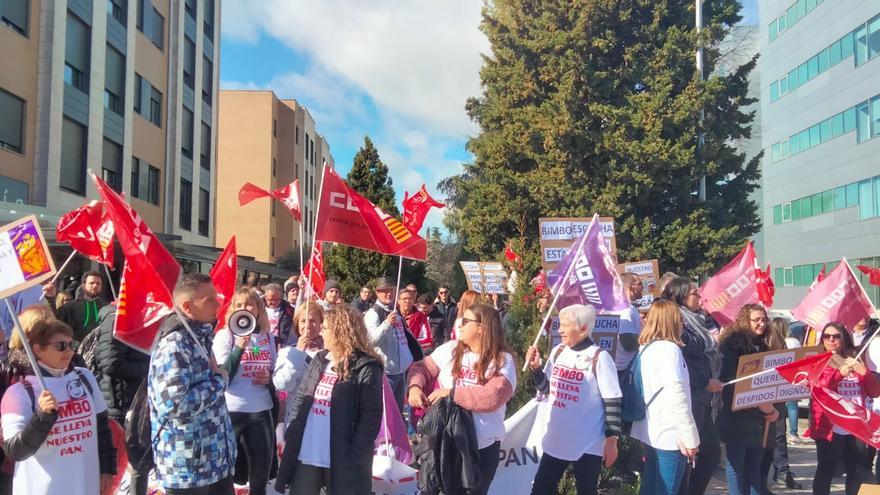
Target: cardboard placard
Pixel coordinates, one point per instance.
(769, 388)
(485, 277)
(867, 489)
(25, 260)
(558, 234)
(649, 272)
(604, 334)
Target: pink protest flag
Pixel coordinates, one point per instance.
(732, 288)
(839, 297)
(392, 431)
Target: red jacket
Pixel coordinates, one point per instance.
(418, 326)
(820, 426)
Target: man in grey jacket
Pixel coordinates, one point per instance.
(387, 331)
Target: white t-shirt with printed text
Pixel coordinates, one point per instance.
(315, 449)
(242, 393)
(274, 315)
(576, 418)
(490, 425)
(67, 462)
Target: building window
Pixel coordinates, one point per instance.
(204, 211)
(14, 13)
(135, 177)
(189, 62)
(186, 141)
(11, 122)
(114, 81)
(209, 19)
(205, 158)
(207, 80)
(156, 107)
(138, 93)
(190, 8)
(274, 174)
(272, 247)
(272, 208)
(274, 128)
(111, 165)
(185, 219)
(73, 157)
(157, 34)
(153, 182)
(116, 10)
(296, 135)
(76, 55)
(139, 22)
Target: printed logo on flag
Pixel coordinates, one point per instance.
(816, 316)
(398, 231)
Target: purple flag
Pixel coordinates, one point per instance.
(392, 440)
(592, 276)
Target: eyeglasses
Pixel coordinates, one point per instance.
(831, 336)
(62, 346)
(465, 321)
(758, 320)
(442, 292)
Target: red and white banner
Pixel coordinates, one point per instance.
(806, 371)
(852, 417)
(89, 231)
(314, 271)
(346, 217)
(288, 195)
(416, 207)
(732, 288)
(839, 297)
(224, 273)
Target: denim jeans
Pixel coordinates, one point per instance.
(792, 408)
(662, 472)
(744, 469)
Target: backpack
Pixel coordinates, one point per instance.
(138, 437)
(634, 407)
(88, 347)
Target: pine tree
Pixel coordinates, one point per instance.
(593, 106)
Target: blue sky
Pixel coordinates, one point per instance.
(398, 71)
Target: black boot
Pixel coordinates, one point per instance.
(790, 483)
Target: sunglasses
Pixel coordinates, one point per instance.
(831, 336)
(442, 292)
(61, 346)
(465, 321)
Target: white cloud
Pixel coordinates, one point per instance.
(419, 60)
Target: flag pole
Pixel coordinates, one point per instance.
(749, 377)
(58, 273)
(109, 281)
(314, 236)
(559, 291)
(24, 343)
(865, 294)
(397, 289)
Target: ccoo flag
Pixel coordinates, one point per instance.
(588, 274)
(732, 288)
(839, 297)
(346, 217)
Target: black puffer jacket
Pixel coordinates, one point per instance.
(355, 417)
(746, 426)
(121, 369)
(698, 364)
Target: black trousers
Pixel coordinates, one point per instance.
(222, 487)
(255, 435)
(696, 480)
(586, 474)
(844, 448)
(488, 465)
(777, 455)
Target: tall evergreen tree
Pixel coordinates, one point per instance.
(354, 267)
(593, 106)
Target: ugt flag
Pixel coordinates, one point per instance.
(588, 274)
(224, 273)
(732, 288)
(839, 297)
(848, 415)
(346, 217)
(416, 207)
(89, 231)
(288, 195)
(314, 270)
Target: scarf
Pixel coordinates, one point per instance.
(696, 323)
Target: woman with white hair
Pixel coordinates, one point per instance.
(579, 379)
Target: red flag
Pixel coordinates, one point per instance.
(872, 273)
(733, 287)
(250, 192)
(224, 273)
(805, 371)
(149, 276)
(819, 277)
(510, 255)
(416, 207)
(289, 197)
(89, 231)
(346, 217)
(839, 297)
(765, 286)
(848, 415)
(315, 270)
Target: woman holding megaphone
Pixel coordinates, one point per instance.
(246, 349)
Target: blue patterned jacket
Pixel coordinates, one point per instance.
(193, 441)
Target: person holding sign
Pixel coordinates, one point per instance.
(743, 432)
(483, 373)
(579, 379)
(853, 382)
(668, 430)
(250, 361)
(60, 437)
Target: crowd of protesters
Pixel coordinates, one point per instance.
(309, 380)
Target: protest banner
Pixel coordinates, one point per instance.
(24, 256)
(558, 234)
(649, 272)
(485, 277)
(771, 387)
(520, 450)
(604, 334)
